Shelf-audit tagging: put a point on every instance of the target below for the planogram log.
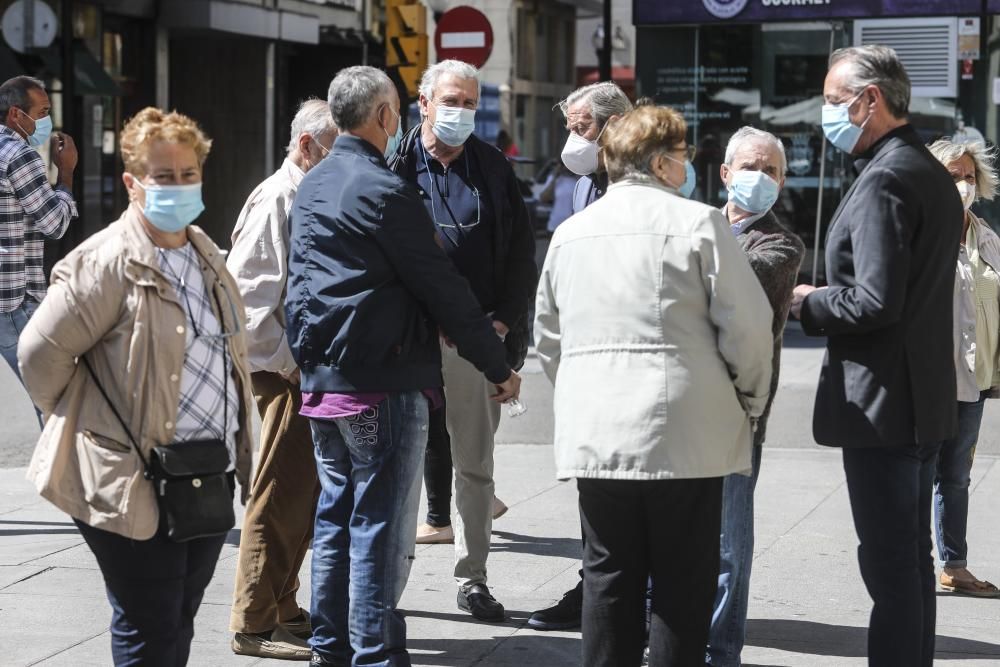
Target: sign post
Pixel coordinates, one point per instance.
(465, 34)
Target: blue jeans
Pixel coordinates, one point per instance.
(951, 485)
(370, 466)
(155, 587)
(729, 620)
(11, 325)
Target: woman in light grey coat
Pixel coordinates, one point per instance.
(657, 335)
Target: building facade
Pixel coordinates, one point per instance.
(239, 67)
(728, 63)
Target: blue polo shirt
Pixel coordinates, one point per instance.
(457, 201)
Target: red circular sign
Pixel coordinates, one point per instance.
(464, 33)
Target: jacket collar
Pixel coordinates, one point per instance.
(905, 133)
(347, 144)
(141, 262)
(648, 182)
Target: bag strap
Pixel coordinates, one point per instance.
(148, 473)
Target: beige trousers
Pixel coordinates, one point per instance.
(472, 419)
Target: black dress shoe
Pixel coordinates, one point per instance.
(476, 600)
(319, 661)
(564, 615)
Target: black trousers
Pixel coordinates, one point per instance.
(155, 587)
(438, 470)
(633, 531)
(890, 490)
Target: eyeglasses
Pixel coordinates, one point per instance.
(468, 225)
(689, 151)
(433, 188)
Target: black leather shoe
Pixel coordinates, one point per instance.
(318, 661)
(564, 615)
(476, 600)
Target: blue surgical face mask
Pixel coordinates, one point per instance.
(753, 191)
(454, 125)
(690, 178)
(839, 129)
(171, 208)
(43, 129)
(393, 143)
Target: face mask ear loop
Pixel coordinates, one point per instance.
(676, 187)
(870, 113)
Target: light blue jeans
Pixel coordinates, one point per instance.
(370, 467)
(12, 323)
(729, 620)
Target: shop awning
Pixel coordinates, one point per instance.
(91, 79)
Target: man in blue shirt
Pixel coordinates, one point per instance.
(471, 194)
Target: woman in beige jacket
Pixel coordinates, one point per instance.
(657, 335)
(149, 304)
(977, 361)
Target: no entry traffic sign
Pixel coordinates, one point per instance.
(464, 33)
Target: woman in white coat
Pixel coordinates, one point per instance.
(657, 336)
(976, 322)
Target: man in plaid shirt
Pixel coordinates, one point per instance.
(30, 209)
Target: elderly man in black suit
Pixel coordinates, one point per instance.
(887, 389)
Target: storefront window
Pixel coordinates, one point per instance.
(724, 76)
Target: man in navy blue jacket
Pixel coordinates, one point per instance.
(368, 288)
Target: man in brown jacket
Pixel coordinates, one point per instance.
(754, 173)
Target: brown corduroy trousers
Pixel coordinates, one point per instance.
(278, 526)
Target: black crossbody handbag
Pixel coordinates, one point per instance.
(193, 490)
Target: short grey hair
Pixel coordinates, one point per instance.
(606, 100)
(877, 65)
(428, 82)
(747, 134)
(14, 93)
(312, 118)
(356, 93)
(947, 151)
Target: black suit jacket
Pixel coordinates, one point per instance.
(889, 373)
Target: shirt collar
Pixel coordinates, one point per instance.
(743, 224)
(293, 172)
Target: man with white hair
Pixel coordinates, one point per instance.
(368, 289)
(753, 173)
(588, 110)
(471, 194)
(277, 528)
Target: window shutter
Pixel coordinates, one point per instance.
(928, 48)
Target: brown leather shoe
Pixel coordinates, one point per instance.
(428, 534)
(975, 588)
